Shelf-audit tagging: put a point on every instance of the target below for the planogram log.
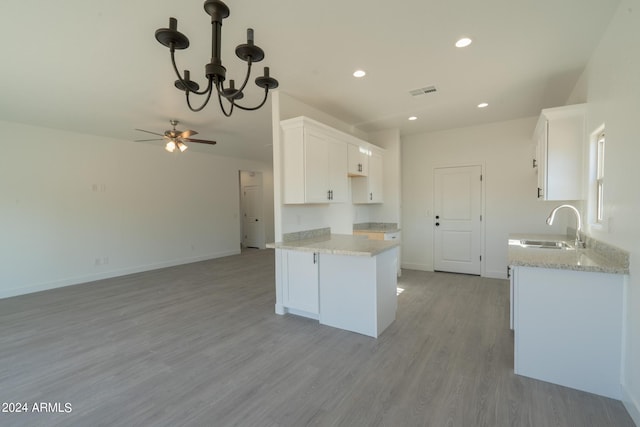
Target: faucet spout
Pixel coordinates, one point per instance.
(579, 243)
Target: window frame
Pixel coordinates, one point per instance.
(599, 181)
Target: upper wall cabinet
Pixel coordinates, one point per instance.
(358, 160)
(559, 139)
(369, 189)
(318, 161)
(314, 163)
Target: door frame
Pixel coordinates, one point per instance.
(483, 199)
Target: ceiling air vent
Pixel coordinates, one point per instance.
(422, 91)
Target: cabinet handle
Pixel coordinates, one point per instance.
(535, 164)
(359, 167)
(508, 272)
(539, 192)
(370, 196)
(315, 259)
(328, 194)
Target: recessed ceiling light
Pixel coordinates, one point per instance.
(359, 73)
(463, 42)
(482, 105)
(412, 118)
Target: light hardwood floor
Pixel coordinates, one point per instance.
(200, 345)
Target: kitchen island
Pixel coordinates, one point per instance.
(344, 281)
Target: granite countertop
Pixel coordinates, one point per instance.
(376, 227)
(338, 244)
(588, 259)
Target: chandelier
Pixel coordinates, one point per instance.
(215, 72)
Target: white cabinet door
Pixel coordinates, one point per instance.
(541, 156)
(560, 141)
(316, 167)
(375, 178)
(369, 189)
(338, 181)
(314, 163)
(300, 281)
(513, 273)
(358, 160)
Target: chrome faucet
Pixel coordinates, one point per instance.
(579, 243)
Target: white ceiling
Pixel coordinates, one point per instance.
(95, 67)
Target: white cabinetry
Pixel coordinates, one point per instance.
(359, 293)
(559, 139)
(315, 164)
(369, 189)
(358, 160)
(568, 327)
(353, 292)
(300, 281)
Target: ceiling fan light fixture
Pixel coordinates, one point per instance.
(215, 72)
(170, 147)
(175, 138)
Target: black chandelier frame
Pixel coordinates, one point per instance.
(215, 72)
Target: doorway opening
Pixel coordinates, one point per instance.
(252, 230)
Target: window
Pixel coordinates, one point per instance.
(600, 144)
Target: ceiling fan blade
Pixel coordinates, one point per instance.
(187, 133)
(145, 140)
(148, 131)
(202, 141)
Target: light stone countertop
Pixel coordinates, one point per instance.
(338, 244)
(376, 227)
(574, 259)
(376, 230)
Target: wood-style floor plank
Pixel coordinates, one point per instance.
(200, 345)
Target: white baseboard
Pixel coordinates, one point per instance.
(632, 406)
(496, 274)
(419, 267)
(12, 292)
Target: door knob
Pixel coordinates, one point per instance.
(437, 216)
(437, 224)
(256, 219)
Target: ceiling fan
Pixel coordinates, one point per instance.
(175, 138)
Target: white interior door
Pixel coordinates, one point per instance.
(252, 226)
(457, 219)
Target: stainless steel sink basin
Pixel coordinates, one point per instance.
(545, 244)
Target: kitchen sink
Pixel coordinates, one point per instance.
(545, 244)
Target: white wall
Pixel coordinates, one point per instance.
(390, 210)
(76, 208)
(611, 87)
(505, 150)
(340, 217)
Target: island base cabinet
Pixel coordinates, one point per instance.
(358, 293)
(297, 274)
(568, 328)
